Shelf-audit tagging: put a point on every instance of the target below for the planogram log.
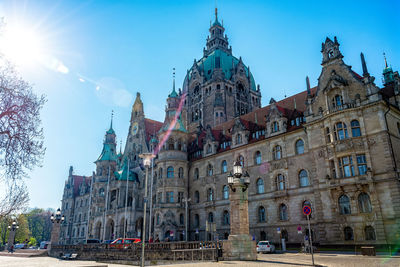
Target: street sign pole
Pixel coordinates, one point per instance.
(310, 236)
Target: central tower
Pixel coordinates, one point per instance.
(219, 86)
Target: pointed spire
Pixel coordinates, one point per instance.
(112, 115)
(216, 14)
(120, 147)
(364, 65)
(173, 93)
(384, 56)
(308, 86)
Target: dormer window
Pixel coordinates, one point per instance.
(238, 139)
(330, 53)
(337, 101)
(275, 127)
(209, 150)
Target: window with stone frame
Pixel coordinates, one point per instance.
(224, 167)
(170, 172)
(180, 197)
(277, 152)
(180, 172)
(210, 217)
(101, 192)
(348, 233)
(159, 197)
(362, 164)
(283, 212)
(346, 166)
(238, 139)
(303, 178)
(196, 197)
(225, 192)
(196, 174)
(340, 130)
(280, 182)
(209, 149)
(161, 173)
(344, 205)
(369, 233)
(355, 128)
(299, 147)
(274, 127)
(328, 135)
(241, 160)
(181, 219)
(196, 220)
(225, 218)
(257, 158)
(210, 194)
(261, 214)
(337, 101)
(260, 186)
(364, 203)
(158, 219)
(210, 170)
(169, 197)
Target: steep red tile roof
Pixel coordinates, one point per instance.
(152, 127)
(78, 180)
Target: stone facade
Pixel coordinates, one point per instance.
(335, 147)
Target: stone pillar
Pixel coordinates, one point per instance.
(55, 234)
(240, 245)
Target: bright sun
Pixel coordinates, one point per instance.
(21, 45)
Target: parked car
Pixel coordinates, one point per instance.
(44, 244)
(19, 246)
(93, 241)
(124, 242)
(265, 246)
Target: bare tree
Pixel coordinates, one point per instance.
(15, 200)
(21, 136)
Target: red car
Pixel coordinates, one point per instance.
(124, 242)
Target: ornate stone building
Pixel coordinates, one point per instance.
(335, 147)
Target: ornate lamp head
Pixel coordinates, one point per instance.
(147, 158)
(237, 169)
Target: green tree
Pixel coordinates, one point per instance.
(40, 224)
(23, 232)
(32, 241)
(4, 223)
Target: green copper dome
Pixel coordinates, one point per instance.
(223, 60)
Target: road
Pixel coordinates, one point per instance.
(264, 260)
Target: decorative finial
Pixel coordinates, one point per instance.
(216, 14)
(120, 146)
(384, 56)
(112, 115)
(173, 77)
(308, 86)
(364, 65)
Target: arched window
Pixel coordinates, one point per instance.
(299, 147)
(355, 128)
(283, 212)
(160, 173)
(344, 205)
(257, 158)
(180, 172)
(181, 219)
(209, 150)
(225, 192)
(210, 194)
(348, 233)
(369, 233)
(210, 217)
(197, 196)
(224, 167)
(280, 182)
(238, 139)
(196, 220)
(341, 131)
(101, 192)
(210, 170)
(261, 214)
(260, 186)
(337, 101)
(170, 144)
(364, 203)
(303, 177)
(225, 218)
(196, 173)
(277, 152)
(170, 172)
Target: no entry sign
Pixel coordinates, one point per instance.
(307, 210)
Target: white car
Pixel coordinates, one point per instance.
(265, 246)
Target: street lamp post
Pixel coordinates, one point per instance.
(11, 236)
(186, 200)
(240, 245)
(56, 220)
(146, 162)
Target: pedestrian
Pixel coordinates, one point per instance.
(157, 240)
(151, 240)
(12, 248)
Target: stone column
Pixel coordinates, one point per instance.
(240, 245)
(55, 234)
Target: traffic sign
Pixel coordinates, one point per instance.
(307, 210)
(278, 230)
(298, 228)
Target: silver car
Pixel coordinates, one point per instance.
(265, 246)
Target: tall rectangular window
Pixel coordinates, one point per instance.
(180, 197)
(361, 164)
(346, 166)
(159, 197)
(170, 197)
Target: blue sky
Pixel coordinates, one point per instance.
(124, 47)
